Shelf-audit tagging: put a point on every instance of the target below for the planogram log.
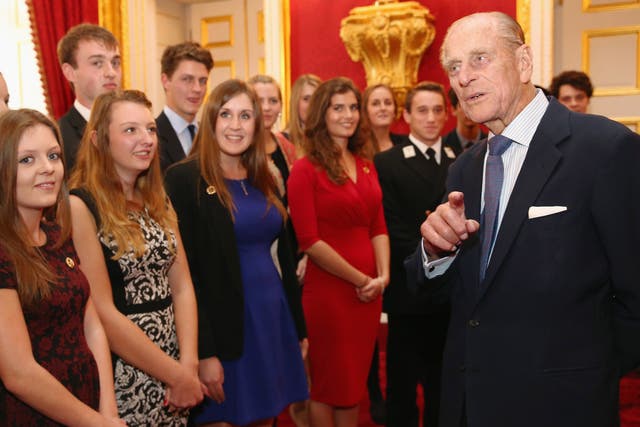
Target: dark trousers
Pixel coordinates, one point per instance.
(414, 356)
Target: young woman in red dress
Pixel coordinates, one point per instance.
(336, 208)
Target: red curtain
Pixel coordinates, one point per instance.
(50, 20)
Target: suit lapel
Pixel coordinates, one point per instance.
(77, 122)
(540, 162)
(172, 145)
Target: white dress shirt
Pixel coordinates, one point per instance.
(84, 111)
(422, 147)
(180, 127)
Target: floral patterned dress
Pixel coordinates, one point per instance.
(141, 291)
(56, 330)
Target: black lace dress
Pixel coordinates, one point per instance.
(56, 329)
(141, 291)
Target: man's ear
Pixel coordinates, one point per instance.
(525, 63)
(69, 72)
(165, 80)
(406, 115)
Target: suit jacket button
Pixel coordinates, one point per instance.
(462, 368)
(474, 323)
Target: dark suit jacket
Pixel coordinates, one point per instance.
(169, 146)
(72, 127)
(410, 186)
(452, 140)
(543, 340)
(210, 244)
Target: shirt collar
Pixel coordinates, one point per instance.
(84, 111)
(423, 147)
(524, 126)
(177, 123)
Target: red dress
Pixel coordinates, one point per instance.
(56, 329)
(342, 329)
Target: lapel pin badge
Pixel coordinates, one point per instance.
(449, 152)
(408, 151)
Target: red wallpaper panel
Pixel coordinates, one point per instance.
(316, 46)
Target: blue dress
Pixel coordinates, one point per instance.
(270, 373)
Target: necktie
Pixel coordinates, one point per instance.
(192, 131)
(431, 156)
(494, 176)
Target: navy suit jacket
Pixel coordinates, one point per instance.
(543, 339)
(169, 146)
(72, 127)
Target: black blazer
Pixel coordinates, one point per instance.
(169, 146)
(209, 240)
(410, 186)
(557, 319)
(452, 140)
(72, 127)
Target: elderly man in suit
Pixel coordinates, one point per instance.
(185, 73)
(412, 176)
(540, 241)
(90, 60)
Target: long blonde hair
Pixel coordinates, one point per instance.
(33, 274)
(206, 148)
(95, 172)
(295, 126)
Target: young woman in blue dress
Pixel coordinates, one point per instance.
(250, 316)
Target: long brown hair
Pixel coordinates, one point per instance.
(33, 274)
(95, 171)
(318, 145)
(206, 149)
(373, 145)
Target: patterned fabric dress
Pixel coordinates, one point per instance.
(56, 330)
(141, 291)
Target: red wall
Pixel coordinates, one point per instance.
(316, 46)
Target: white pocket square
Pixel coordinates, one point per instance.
(538, 211)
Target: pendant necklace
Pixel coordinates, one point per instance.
(244, 189)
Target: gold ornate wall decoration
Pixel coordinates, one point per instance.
(588, 6)
(633, 88)
(389, 38)
(113, 15)
(224, 24)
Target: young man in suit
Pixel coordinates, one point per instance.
(540, 239)
(466, 133)
(90, 60)
(412, 176)
(185, 73)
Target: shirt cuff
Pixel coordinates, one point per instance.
(436, 267)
